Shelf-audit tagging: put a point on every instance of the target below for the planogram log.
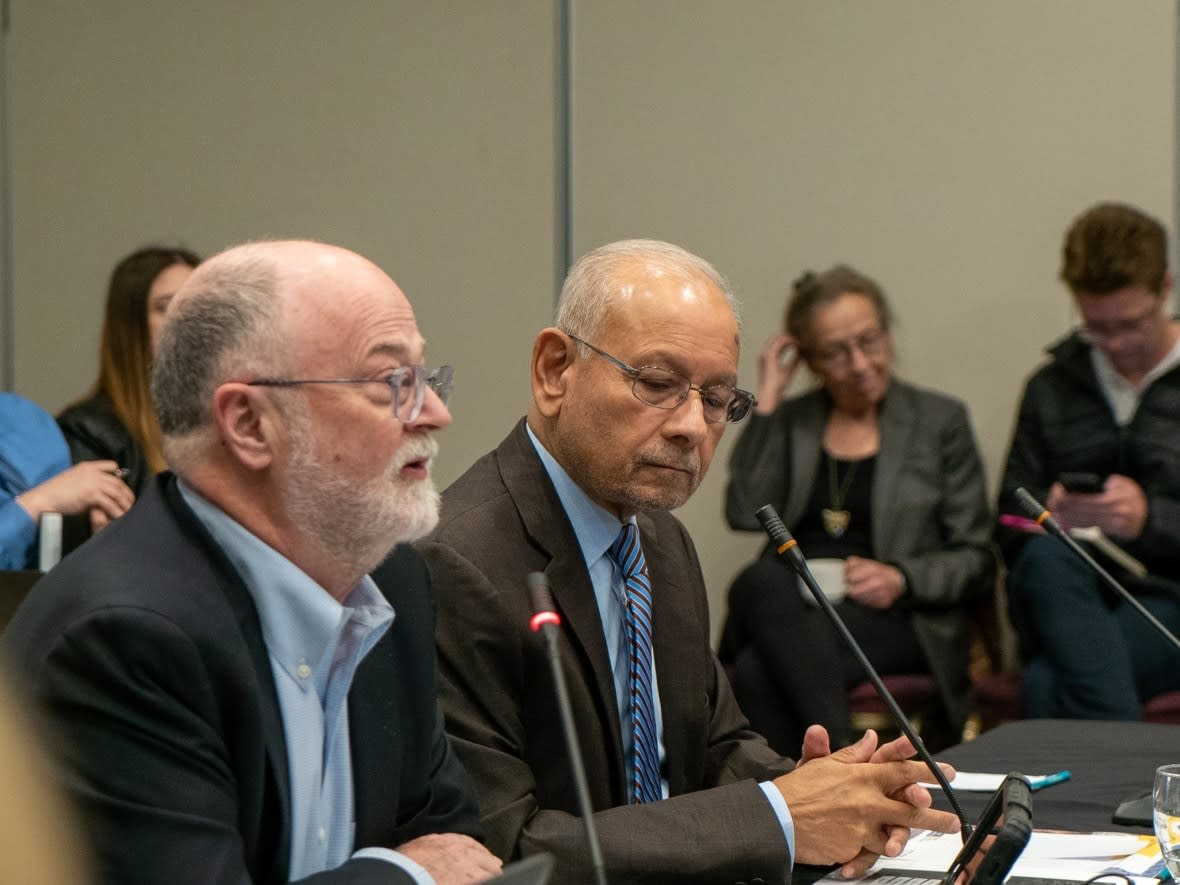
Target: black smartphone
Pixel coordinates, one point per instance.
(1136, 812)
(1007, 819)
(1082, 483)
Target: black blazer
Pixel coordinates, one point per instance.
(145, 651)
(94, 433)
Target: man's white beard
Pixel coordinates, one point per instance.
(360, 525)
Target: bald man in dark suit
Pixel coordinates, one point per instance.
(632, 389)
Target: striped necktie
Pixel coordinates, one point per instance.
(646, 782)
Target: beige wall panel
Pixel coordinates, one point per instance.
(940, 147)
(418, 133)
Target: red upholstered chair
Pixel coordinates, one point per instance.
(14, 587)
(997, 698)
(1163, 708)
(996, 692)
(915, 693)
(994, 668)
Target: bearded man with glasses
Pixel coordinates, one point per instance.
(242, 667)
(632, 388)
(1106, 404)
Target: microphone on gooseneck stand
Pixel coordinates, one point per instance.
(1044, 518)
(1136, 811)
(546, 621)
(788, 548)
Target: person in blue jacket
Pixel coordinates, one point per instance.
(36, 478)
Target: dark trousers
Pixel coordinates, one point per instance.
(1087, 654)
(791, 669)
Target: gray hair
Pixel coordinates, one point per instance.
(586, 293)
(226, 321)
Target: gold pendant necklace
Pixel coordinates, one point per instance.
(836, 518)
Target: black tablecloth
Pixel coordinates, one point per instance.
(1109, 761)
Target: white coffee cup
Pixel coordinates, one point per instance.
(49, 542)
(829, 574)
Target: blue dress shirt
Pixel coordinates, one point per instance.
(596, 529)
(315, 645)
(32, 450)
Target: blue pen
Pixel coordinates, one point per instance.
(1050, 779)
(1165, 875)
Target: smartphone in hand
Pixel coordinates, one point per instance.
(1081, 483)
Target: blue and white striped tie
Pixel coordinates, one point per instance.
(645, 746)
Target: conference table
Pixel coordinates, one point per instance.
(1108, 761)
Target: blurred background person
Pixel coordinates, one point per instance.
(40, 841)
(36, 478)
(872, 471)
(115, 420)
(1105, 404)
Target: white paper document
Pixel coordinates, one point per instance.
(1064, 857)
(987, 782)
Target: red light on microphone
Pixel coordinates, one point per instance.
(540, 619)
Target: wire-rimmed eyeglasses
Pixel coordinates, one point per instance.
(839, 354)
(1126, 327)
(666, 389)
(407, 384)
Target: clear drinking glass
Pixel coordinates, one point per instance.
(1165, 802)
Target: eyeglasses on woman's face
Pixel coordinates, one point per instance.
(840, 354)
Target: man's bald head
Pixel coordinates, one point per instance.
(231, 319)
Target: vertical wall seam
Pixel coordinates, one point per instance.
(564, 138)
(7, 297)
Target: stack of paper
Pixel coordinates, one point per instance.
(1064, 857)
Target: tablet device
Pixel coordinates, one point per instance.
(990, 851)
(1002, 833)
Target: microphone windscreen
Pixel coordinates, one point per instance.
(773, 524)
(539, 592)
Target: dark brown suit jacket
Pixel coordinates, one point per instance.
(502, 520)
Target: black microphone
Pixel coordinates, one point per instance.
(547, 621)
(1044, 518)
(788, 548)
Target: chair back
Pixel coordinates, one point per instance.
(14, 587)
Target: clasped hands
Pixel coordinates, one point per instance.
(854, 805)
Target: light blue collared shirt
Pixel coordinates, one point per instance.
(596, 529)
(315, 645)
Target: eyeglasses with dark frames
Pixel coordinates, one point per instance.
(666, 389)
(407, 384)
